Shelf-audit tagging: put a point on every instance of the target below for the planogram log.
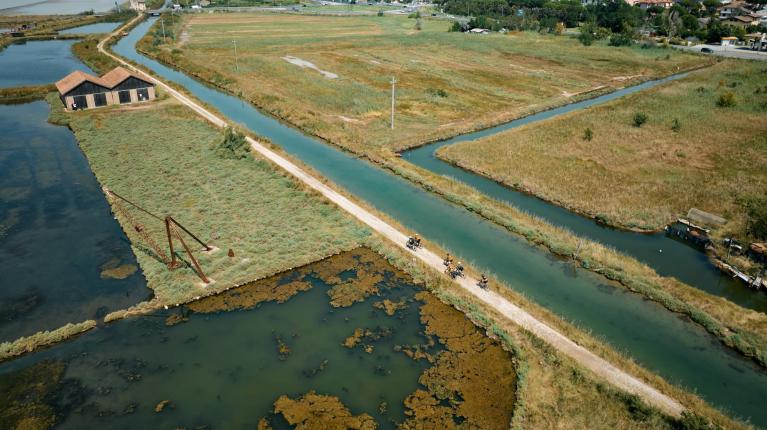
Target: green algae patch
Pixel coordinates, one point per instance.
(370, 335)
(121, 271)
(318, 412)
(352, 276)
(250, 295)
(389, 306)
(472, 381)
(369, 270)
(27, 396)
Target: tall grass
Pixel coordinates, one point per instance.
(687, 153)
(164, 158)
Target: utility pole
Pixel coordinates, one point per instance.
(162, 21)
(236, 66)
(393, 82)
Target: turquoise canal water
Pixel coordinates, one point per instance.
(664, 342)
(99, 27)
(224, 369)
(668, 256)
(56, 230)
(38, 63)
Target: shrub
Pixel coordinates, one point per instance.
(456, 26)
(726, 99)
(639, 119)
(439, 92)
(588, 134)
(756, 208)
(621, 39)
(675, 126)
(380, 12)
(418, 25)
(232, 146)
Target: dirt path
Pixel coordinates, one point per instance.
(584, 357)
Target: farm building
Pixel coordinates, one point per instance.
(79, 90)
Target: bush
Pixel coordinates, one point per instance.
(418, 25)
(380, 12)
(588, 134)
(232, 146)
(456, 26)
(639, 119)
(726, 99)
(439, 92)
(756, 208)
(621, 39)
(675, 126)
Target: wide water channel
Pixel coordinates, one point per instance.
(661, 341)
(58, 240)
(668, 256)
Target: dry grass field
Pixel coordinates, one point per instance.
(447, 82)
(643, 176)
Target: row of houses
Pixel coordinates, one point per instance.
(80, 90)
(734, 12)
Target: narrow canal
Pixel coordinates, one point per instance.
(63, 258)
(669, 257)
(661, 341)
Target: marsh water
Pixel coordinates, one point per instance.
(666, 255)
(227, 363)
(666, 343)
(57, 234)
(54, 7)
(38, 63)
(99, 27)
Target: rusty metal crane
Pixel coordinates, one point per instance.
(172, 228)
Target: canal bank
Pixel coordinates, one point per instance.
(574, 293)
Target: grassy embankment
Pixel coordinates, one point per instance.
(643, 177)
(269, 221)
(16, 95)
(248, 206)
(448, 82)
(742, 329)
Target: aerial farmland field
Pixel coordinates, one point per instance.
(330, 75)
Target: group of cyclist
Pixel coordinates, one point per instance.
(453, 270)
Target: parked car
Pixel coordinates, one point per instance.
(706, 50)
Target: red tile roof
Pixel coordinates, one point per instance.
(110, 80)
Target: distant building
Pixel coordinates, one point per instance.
(478, 31)
(646, 4)
(729, 41)
(79, 90)
(741, 21)
(138, 5)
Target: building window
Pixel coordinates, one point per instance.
(143, 94)
(79, 102)
(100, 99)
(124, 96)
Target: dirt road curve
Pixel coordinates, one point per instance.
(586, 358)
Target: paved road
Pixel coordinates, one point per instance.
(514, 313)
(728, 51)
